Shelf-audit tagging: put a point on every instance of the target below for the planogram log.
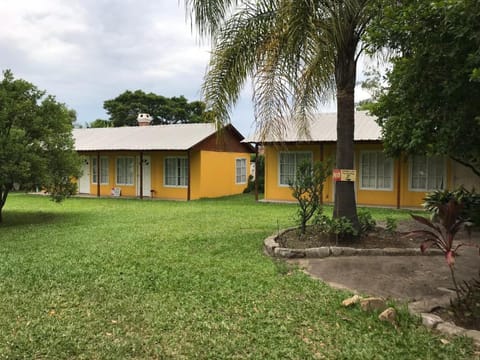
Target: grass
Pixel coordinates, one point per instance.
(115, 278)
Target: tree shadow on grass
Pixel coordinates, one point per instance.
(19, 218)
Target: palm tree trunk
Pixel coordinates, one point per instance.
(345, 75)
(345, 204)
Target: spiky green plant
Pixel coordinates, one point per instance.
(441, 233)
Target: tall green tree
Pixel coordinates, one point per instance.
(36, 144)
(123, 109)
(431, 102)
(99, 123)
(299, 54)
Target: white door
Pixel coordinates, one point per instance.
(84, 181)
(147, 178)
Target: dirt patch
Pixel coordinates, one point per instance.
(460, 317)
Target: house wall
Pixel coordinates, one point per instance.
(217, 173)
(412, 198)
(195, 175)
(463, 176)
(126, 190)
(273, 189)
(212, 174)
(106, 189)
(158, 172)
(157, 159)
(399, 195)
(370, 196)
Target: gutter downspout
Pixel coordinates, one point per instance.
(321, 159)
(141, 175)
(189, 176)
(256, 171)
(399, 180)
(98, 173)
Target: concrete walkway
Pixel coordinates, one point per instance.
(404, 278)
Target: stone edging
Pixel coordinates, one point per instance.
(272, 248)
(423, 309)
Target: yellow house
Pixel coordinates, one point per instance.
(181, 162)
(379, 180)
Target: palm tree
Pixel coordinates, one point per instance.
(298, 53)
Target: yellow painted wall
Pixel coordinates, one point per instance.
(408, 198)
(157, 169)
(195, 175)
(106, 189)
(157, 173)
(214, 174)
(276, 192)
(127, 190)
(374, 196)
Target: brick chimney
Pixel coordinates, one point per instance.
(144, 119)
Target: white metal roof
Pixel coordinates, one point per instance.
(157, 137)
(323, 127)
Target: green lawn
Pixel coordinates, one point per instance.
(115, 278)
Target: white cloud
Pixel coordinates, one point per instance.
(88, 51)
(41, 33)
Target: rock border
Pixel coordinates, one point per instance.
(424, 308)
(421, 308)
(272, 248)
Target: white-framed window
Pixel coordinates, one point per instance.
(241, 171)
(427, 173)
(103, 170)
(176, 172)
(288, 164)
(376, 171)
(125, 170)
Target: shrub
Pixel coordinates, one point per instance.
(366, 221)
(260, 173)
(470, 201)
(391, 225)
(250, 185)
(343, 228)
(436, 198)
(467, 306)
(340, 227)
(307, 188)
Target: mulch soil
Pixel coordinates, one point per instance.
(378, 238)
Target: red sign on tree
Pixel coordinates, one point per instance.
(336, 174)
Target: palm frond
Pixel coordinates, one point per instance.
(290, 48)
(234, 58)
(208, 16)
(311, 62)
(272, 88)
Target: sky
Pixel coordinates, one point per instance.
(87, 51)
